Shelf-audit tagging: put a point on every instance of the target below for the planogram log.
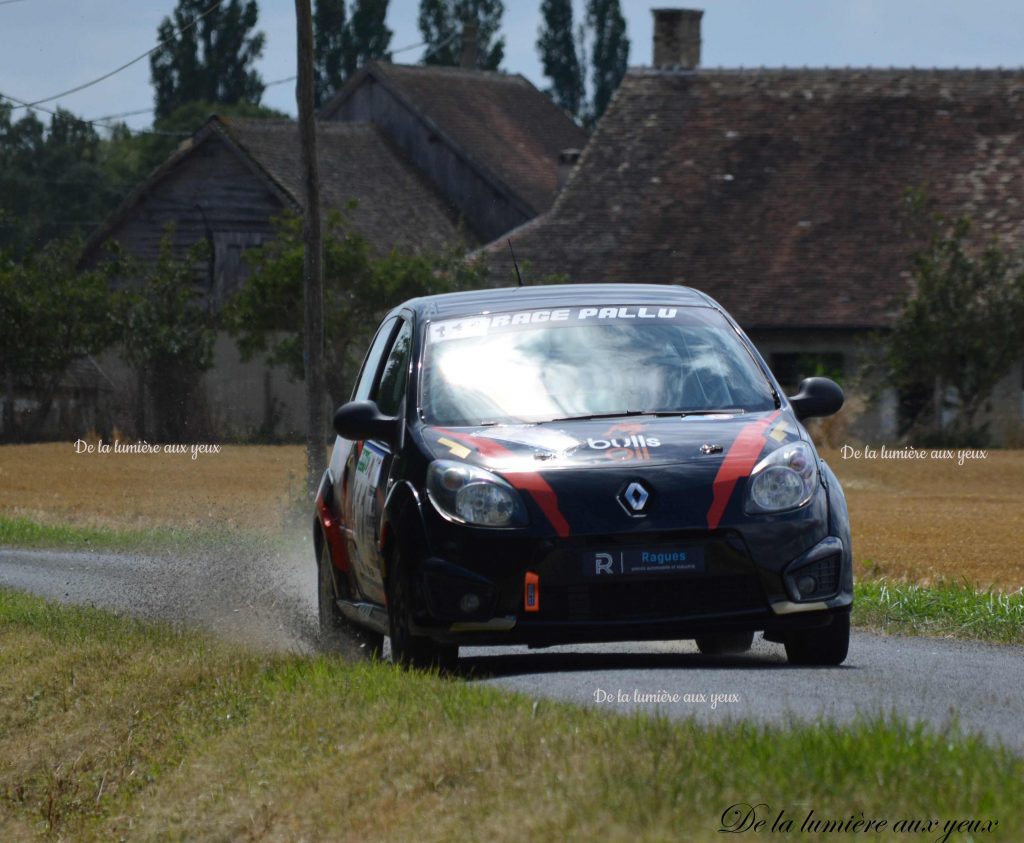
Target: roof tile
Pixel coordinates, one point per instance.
(778, 192)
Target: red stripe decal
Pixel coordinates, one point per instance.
(526, 481)
(545, 497)
(738, 462)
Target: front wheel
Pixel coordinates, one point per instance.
(337, 633)
(823, 646)
(410, 650)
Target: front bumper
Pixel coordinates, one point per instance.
(732, 593)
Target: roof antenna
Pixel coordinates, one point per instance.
(515, 263)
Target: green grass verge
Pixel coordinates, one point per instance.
(23, 532)
(115, 729)
(945, 609)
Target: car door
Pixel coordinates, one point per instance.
(346, 454)
(369, 468)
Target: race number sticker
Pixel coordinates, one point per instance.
(369, 465)
(457, 329)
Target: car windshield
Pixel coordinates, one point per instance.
(544, 365)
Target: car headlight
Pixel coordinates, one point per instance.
(473, 495)
(785, 479)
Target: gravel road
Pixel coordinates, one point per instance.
(268, 602)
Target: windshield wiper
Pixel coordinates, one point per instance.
(616, 415)
(732, 411)
(655, 413)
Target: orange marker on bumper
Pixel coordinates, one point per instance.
(531, 592)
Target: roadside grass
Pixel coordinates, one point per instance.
(112, 728)
(945, 609)
(27, 533)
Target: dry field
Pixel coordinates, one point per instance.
(245, 487)
(925, 520)
(921, 520)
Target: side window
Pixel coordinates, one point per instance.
(396, 373)
(371, 364)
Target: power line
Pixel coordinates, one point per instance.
(406, 49)
(440, 46)
(149, 110)
(8, 2)
(126, 65)
(102, 125)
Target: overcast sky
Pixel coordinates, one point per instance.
(47, 46)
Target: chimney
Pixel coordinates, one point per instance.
(567, 160)
(470, 47)
(677, 37)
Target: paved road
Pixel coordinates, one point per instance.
(269, 602)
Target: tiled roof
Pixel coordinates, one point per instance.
(396, 206)
(511, 131)
(778, 192)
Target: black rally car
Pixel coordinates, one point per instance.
(546, 465)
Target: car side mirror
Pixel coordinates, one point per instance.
(360, 420)
(817, 397)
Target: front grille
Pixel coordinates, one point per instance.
(652, 599)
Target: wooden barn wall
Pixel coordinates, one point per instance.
(212, 193)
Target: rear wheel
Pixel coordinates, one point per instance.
(725, 643)
(337, 633)
(824, 646)
(410, 650)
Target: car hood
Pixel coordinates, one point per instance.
(608, 442)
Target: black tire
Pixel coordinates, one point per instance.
(337, 633)
(824, 646)
(408, 650)
(725, 643)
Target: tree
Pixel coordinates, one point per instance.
(50, 315)
(556, 43)
(343, 45)
(330, 36)
(167, 330)
(55, 180)
(609, 55)
(368, 36)
(441, 23)
(265, 315)
(209, 55)
(960, 332)
(564, 55)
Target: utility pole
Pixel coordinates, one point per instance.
(313, 262)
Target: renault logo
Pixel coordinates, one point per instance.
(634, 498)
